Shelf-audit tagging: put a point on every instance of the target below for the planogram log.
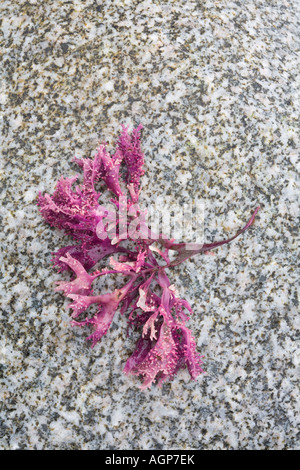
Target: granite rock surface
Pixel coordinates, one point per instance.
(216, 86)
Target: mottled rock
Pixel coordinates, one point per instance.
(216, 87)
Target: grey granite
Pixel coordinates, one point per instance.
(216, 86)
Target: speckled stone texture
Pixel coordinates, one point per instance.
(216, 86)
